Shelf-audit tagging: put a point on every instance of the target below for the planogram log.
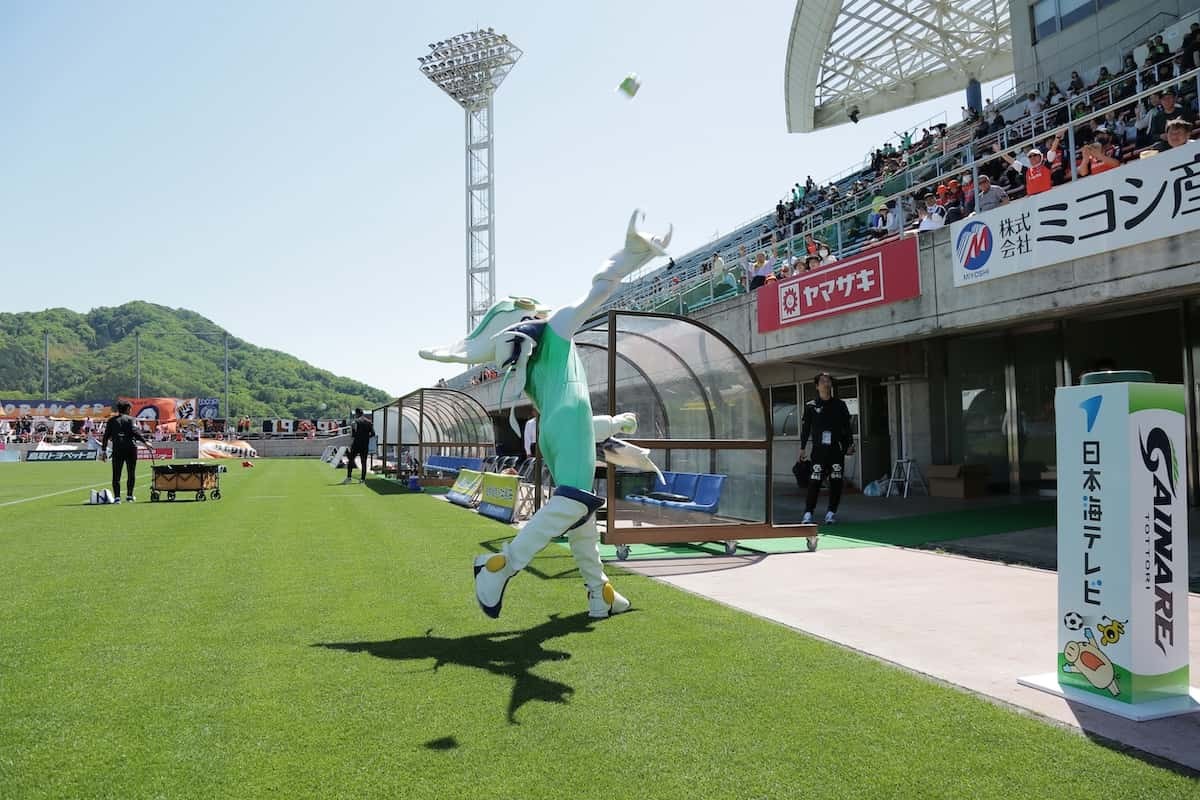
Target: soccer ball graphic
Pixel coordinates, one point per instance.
(1073, 621)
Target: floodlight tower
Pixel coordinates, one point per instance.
(469, 68)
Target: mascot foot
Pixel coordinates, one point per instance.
(492, 574)
(604, 601)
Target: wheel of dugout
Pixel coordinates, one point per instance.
(731, 547)
(154, 497)
(171, 496)
(812, 543)
(216, 494)
(622, 552)
(201, 496)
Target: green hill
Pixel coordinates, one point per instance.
(92, 357)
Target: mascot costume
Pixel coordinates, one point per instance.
(533, 348)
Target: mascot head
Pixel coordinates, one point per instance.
(480, 346)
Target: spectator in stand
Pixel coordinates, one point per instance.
(827, 257)
(1159, 49)
(812, 262)
(1166, 111)
(989, 108)
(988, 196)
(1190, 46)
(1104, 77)
(762, 268)
(1178, 133)
(1056, 161)
(1033, 165)
(1096, 156)
(886, 224)
(718, 267)
(1149, 72)
(1076, 84)
(934, 213)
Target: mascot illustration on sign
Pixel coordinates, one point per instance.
(533, 347)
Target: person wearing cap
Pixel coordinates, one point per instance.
(812, 262)
(362, 430)
(886, 224)
(933, 215)
(1037, 173)
(988, 196)
(1167, 111)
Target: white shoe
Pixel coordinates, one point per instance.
(494, 570)
(604, 601)
(348, 480)
(830, 518)
(362, 480)
(129, 498)
(117, 499)
(807, 518)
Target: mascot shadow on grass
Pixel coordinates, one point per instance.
(512, 653)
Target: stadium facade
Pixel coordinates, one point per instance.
(949, 344)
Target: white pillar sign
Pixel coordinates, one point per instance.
(1122, 549)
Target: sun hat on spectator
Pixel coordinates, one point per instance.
(1035, 152)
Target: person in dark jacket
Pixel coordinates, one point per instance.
(122, 431)
(362, 429)
(826, 423)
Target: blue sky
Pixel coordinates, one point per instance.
(284, 169)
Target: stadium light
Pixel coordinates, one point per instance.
(469, 68)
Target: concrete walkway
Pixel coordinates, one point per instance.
(975, 624)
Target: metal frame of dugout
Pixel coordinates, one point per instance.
(435, 421)
(701, 411)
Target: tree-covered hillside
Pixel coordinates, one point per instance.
(92, 358)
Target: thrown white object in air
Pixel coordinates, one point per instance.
(621, 453)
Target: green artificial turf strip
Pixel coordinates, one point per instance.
(299, 638)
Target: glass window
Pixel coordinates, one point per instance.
(785, 414)
(1045, 18)
(1072, 11)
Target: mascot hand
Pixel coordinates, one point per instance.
(625, 423)
(643, 246)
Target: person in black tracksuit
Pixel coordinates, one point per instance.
(827, 423)
(362, 430)
(122, 431)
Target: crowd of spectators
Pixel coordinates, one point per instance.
(28, 429)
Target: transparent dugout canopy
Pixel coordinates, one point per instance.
(433, 421)
(702, 416)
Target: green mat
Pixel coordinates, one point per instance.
(900, 532)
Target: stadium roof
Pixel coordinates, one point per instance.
(881, 55)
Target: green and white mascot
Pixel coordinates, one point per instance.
(532, 346)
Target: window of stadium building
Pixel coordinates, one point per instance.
(1048, 17)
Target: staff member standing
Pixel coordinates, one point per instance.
(362, 429)
(827, 422)
(122, 431)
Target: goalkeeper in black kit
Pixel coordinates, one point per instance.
(362, 430)
(827, 423)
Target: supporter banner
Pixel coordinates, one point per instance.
(1142, 201)
(884, 274)
(55, 408)
(210, 408)
(227, 448)
(499, 500)
(155, 409)
(164, 453)
(465, 491)
(61, 455)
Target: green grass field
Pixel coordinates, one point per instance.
(299, 638)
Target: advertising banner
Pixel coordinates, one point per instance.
(465, 491)
(1123, 548)
(227, 448)
(499, 498)
(1142, 201)
(884, 274)
(159, 454)
(62, 409)
(61, 455)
